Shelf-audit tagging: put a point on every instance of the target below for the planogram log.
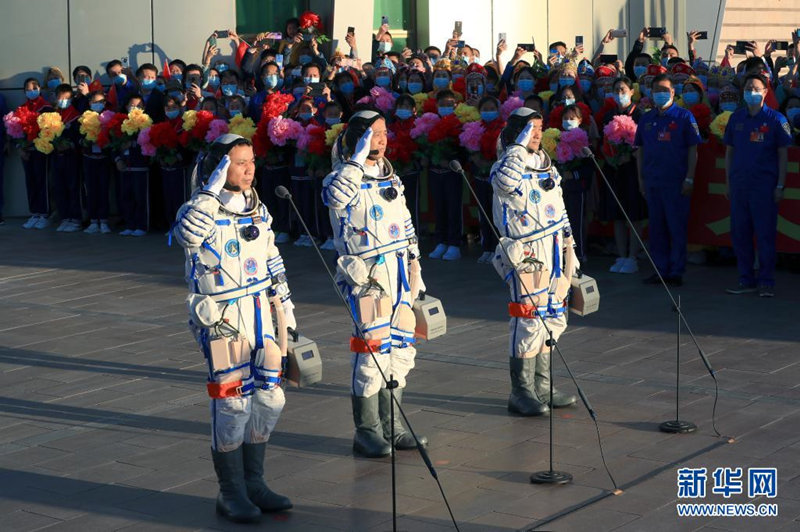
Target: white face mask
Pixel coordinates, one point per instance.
(384, 47)
(570, 124)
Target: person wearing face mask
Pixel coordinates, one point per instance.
(728, 98)
(489, 108)
(176, 69)
(82, 76)
(381, 43)
(408, 172)
(34, 163)
(667, 138)
(757, 138)
(224, 230)
(791, 110)
(416, 83)
(134, 174)
(147, 76)
(331, 115)
(270, 81)
(441, 77)
(122, 83)
(213, 82)
(52, 79)
(624, 180)
(347, 90)
(528, 209)
(383, 78)
(525, 82)
(446, 191)
(302, 182)
(585, 78)
(64, 163)
(638, 57)
(96, 175)
(193, 83)
(230, 85)
(173, 173)
(604, 77)
(679, 73)
(646, 83)
(302, 55)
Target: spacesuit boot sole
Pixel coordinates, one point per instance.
(526, 406)
(257, 490)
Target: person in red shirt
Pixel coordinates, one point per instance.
(34, 163)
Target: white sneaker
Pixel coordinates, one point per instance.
(62, 226)
(617, 265)
(438, 252)
(92, 229)
(139, 232)
(126, 232)
(328, 245)
(282, 238)
(486, 258)
(104, 228)
(301, 241)
(31, 222)
(452, 253)
(72, 226)
(629, 265)
(42, 223)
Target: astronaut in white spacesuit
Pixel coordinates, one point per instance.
(529, 212)
(378, 272)
(234, 272)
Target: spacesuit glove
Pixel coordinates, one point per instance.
(524, 136)
(507, 173)
(362, 149)
(341, 190)
(218, 177)
(194, 225)
(354, 270)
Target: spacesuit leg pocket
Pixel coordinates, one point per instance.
(229, 416)
(267, 406)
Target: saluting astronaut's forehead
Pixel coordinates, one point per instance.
(365, 115)
(527, 114)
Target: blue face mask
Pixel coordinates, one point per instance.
(479, 90)
(586, 85)
(441, 83)
(489, 116)
(753, 98)
(235, 112)
(569, 101)
(271, 81)
(53, 83)
(120, 79)
(229, 90)
(568, 125)
(679, 88)
(308, 80)
(623, 99)
(383, 81)
(728, 106)
(415, 87)
(639, 71)
(664, 61)
(566, 82)
(332, 120)
(172, 114)
(148, 84)
(444, 111)
(213, 82)
(405, 114)
(525, 84)
(347, 87)
(97, 107)
(691, 98)
(792, 113)
(661, 98)
(178, 77)
(63, 104)
(305, 116)
(403, 84)
(32, 94)
(222, 67)
(304, 59)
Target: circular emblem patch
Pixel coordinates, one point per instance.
(376, 212)
(550, 211)
(534, 196)
(394, 231)
(232, 248)
(251, 266)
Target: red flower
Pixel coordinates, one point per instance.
(309, 20)
(401, 147)
(460, 86)
(276, 104)
(261, 143)
(448, 127)
(489, 139)
(608, 105)
(429, 106)
(28, 118)
(164, 136)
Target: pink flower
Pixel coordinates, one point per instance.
(305, 138)
(281, 130)
(424, 124)
(106, 116)
(470, 137)
(148, 148)
(509, 106)
(621, 130)
(216, 129)
(13, 126)
(571, 144)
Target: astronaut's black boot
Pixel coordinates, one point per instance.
(257, 490)
(368, 440)
(403, 440)
(542, 384)
(232, 501)
(523, 400)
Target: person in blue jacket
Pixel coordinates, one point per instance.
(667, 138)
(757, 140)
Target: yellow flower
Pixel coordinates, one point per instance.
(244, 127)
(332, 133)
(550, 141)
(545, 96)
(50, 121)
(189, 120)
(719, 124)
(137, 120)
(42, 145)
(47, 134)
(90, 125)
(419, 99)
(637, 93)
(467, 113)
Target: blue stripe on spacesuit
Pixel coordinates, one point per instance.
(213, 251)
(556, 258)
(259, 330)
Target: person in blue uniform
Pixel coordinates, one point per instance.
(667, 138)
(757, 138)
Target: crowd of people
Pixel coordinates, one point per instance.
(76, 137)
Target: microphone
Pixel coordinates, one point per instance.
(587, 152)
(282, 192)
(455, 166)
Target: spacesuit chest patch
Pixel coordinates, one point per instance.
(376, 212)
(250, 266)
(534, 196)
(550, 211)
(394, 231)
(232, 248)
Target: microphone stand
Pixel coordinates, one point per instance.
(390, 383)
(675, 426)
(548, 476)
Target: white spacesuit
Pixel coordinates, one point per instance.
(538, 263)
(379, 274)
(234, 270)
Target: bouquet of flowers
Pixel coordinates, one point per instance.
(470, 137)
(242, 126)
(550, 139)
(162, 142)
(216, 128)
(51, 127)
(22, 126)
(312, 147)
(380, 98)
(718, 125)
(111, 134)
(419, 99)
(570, 146)
(276, 104)
(401, 149)
(273, 137)
(195, 128)
(311, 24)
(467, 113)
(136, 121)
(618, 140)
(90, 127)
(333, 132)
(509, 106)
(441, 143)
(481, 142)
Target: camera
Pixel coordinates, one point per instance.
(250, 233)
